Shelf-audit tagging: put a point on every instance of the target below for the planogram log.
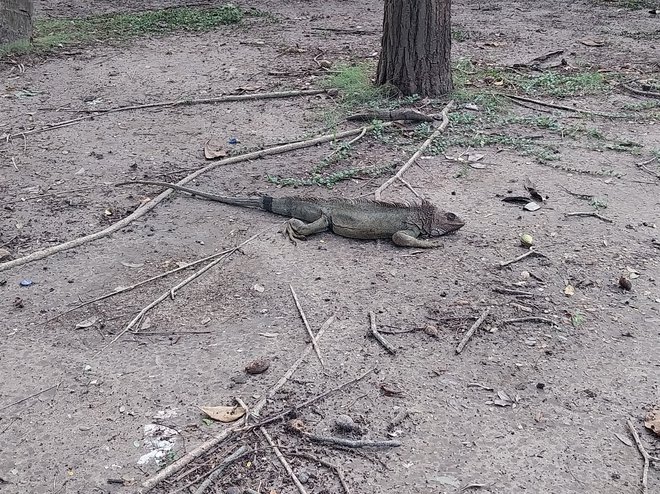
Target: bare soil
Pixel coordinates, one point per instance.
(572, 385)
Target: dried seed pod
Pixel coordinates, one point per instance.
(625, 283)
(258, 366)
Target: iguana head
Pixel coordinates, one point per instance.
(434, 222)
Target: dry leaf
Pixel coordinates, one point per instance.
(4, 253)
(87, 322)
(474, 157)
(569, 291)
(653, 421)
(224, 413)
(214, 148)
(389, 390)
(623, 439)
(146, 324)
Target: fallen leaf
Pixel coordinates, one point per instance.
(569, 291)
(146, 324)
(501, 403)
(503, 396)
(390, 390)
(623, 439)
(214, 148)
(446, 480)
(633, 273)
(652, 421)
(224, 413)
(474, 157)
(532, 190)
(531, 206)
(87, 322)
(4, 253)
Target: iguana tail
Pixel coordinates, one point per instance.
(264, 202)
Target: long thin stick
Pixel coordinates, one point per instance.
(172, 291)
(31, 396)
(329, 465)
(141, 211)
(472, 330)
(138, 284)
(560, 107)
(590, 213)
(283, 461)
(51, 194)
(420, 151)
(642, 166)
(379, 337)
(643, 452)
(309, 330)
(530, 319)
(350, 443)
(166, 472)
(221, 99)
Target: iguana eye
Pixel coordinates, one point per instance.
(451, 216)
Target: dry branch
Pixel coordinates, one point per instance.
(530, 319)
(31, 396)
(510, 291)
(351, 443)
(590, 213)
(215, 473)
(420, 151)
(95, 112)
(381, 339)
(389, 115)
(640, 92)
(560, 107)
(283, 461)
(309, 330)
(644, 453)
(472, 330)
(141, 211)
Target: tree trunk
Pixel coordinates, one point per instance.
(416, 47)
(15, 20)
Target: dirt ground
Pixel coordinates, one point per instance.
(550, 409)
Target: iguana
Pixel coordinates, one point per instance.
(353, 218)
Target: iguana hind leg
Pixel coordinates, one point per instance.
(298, 230)
(406, 238)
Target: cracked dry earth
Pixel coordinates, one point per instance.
(568, 388)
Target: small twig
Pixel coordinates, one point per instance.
(31, 396)
(379, 337)
(477, 385)
(350, 443)
(410, 187)
(136, 285)
(326, 464)
(309, 330)
(639, 92)
(420, 151)
(510, 291)
(283, 461)
(560, 107)
(215, 473)
(178, 286)
(51, 194)
(530, 319)
(590, 213)
(169, 333)
(472, 330)
(142, 210)
(644, 453)
(523, 308)
(520, 258)
(643, 166)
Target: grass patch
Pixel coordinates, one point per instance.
(629, 4)
(562, 85)
(50, 34)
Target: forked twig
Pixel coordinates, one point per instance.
(33, 395)
(283, 461)
(590, 213)
(441, 128)
(472, 330)
(379, 337)
(178, 286)
(309, 330)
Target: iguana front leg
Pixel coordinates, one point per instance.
(297, 229)
(407, 238)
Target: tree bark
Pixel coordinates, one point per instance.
(15, 20)
(416, 47)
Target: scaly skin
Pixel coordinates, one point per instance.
(407, 225)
